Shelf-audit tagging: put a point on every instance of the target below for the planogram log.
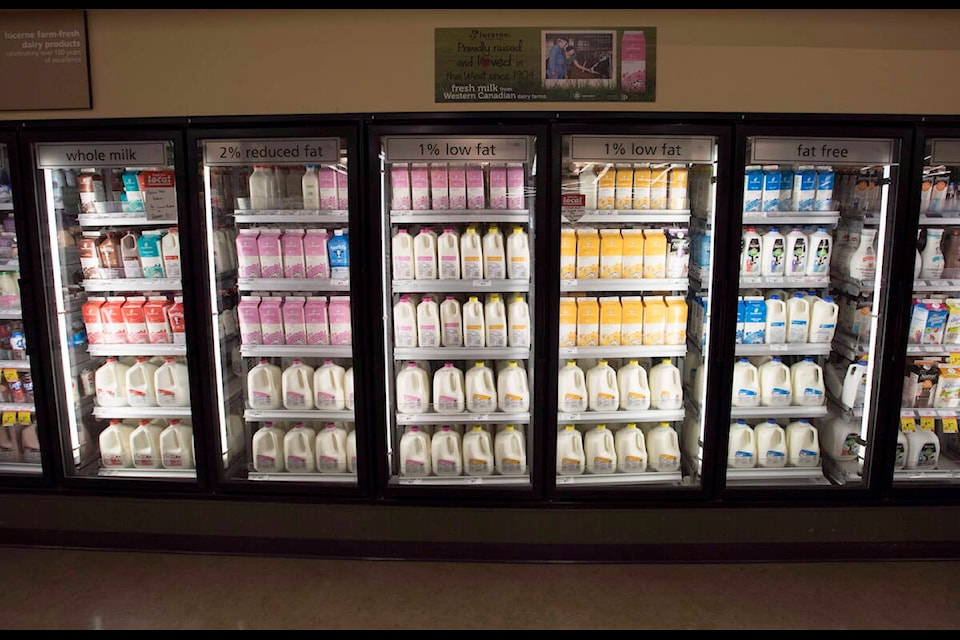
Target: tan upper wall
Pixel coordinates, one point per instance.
(148, 62)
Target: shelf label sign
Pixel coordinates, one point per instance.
(908, 424)
(572, 206)
(102, 154)
(833, 151)
(417, 149)
(944, 151)
(223, 153)
(949, 424)
(640, 149)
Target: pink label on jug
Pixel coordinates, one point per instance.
(173, 460)
(326, 399)
(295, 399)
(296, 463)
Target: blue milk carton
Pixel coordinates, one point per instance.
(770, 200)
(753, 188)
(338, 248)
(804, 187)
(823, 201)
(786, 189)
(741, 318)
(754, 319)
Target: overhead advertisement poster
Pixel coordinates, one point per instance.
(557, 64)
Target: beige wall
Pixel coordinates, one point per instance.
(261, 61)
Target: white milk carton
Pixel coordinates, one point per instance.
(770, 199)
(804, 188)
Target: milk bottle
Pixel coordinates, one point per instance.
(803, 444)
(741, 446)
(602, 390)
(666, 389)
(509, 451)
(448, 254)
(413, 389)
(823, 320)
(145, 446)
(352, 451)
(310, 188)
(773, 253)
(900, 460)
(296, 384)
(264, 386)
(601, 455)
(571, 457)
(862, 264)
(299, 449)
(854, 384)
(771, 440)
(775, 331)
(806, 378)
(415, 455)
(797, 248)
(775, 387)
(631, 449)
(348, 392)
(513, 390)
(172, 383)
(170, 250)
(474, 326)
(111, 384)
(481, 389)
(820, 248)
(451, 323)
(494, 254)
(331, 448)
(404, 323)
(176, 446)
(471, 254)
(518, 255)
(495, 321)
(140, 385)
(446, 452)
(839, 438)
(663, 448)
(571, 389)
(328, 387)
(931, 258)
(425, 255)
(114, 444)
(798, 319)
(478, 456)
(751, 253)
(746, 384)
(633, 387)
(518, 321)
(428, 323)
(130, 256)
(923, 450)
(267, 445)
(448, 389)
(402, 255)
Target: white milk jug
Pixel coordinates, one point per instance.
(518, 255)
(772, 253)
(571, 457)
(823, 320)
(771, 441)
(172, 382)
(139, 380)
(402, 255)
(746, 384)
(446, 452)
(415, 456)
(854, 385)
(176, 446)
(803, 444)
(900, 460)
(451, 323)
(348, 389)
(145, 446)
(481, 389)
(518, 322)
(115, 445)
(601, 455)
(170, 250)
(448, 254)
(413, 389)
(666, 387)
(404, 323)
(296, 383)
(798, 318)
(425, 255)
(510, 451)
(264, 386)
(775, 330)
(268, 448)
(571, 389)
(328, 388)
(494, 254)
(633, 386)
(663, 448)
(478, 452)
(331, 448)
(110, 380)
(352, 451)
(806, 378)
(471, 254)
(631, 447)
(474, 329)
(839, 438)
(741, 446)
(923, 450)
(603, 393)
(428, 323)
(775, 387)
(449, 395)
(495, 321)
(513, 390)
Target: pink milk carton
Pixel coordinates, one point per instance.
(498, 186)
(158, 324)
(271, 256)
(90, 312)
(291, 246)
(111, 314)
(342, 192)
(315, 257)
(271, 319)
(135, 320)
(400, 187)
(515, 186)
(248, 315)
(420, 186)
(340, 325)
(457, 186)
(476, 189)
(294, 321)
(327, 181)
(439, 191)
(315, 319)
(248, 254)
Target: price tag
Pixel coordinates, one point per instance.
(483, 283)
(24, 417)
(907, 424)
(779, 347)
(10, 375)
(339, 282)
(568, 351)
(940, 283)
(473, 480)
(8, 417)
(927, 423)
(953, 357)
(751, 280)
(949, 424)
(775, 279)
(568, 284)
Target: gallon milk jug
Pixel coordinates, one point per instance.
(415, 455)
(798, 246)
(428, 323)
(601, 455)
(495, 321)
(803, 444)
(328, 388)
(448, 254)
(115, 445)
(571, 389)
(352, 451)
(798, 318)
(478, 452)
(823, 320)
(773, 253)
(862, 263)
(854, 385)
(923, 450)
(331, 448)
(172, 382)
(268, 448)
(518, 255)
(603, 393)
(900, 461)
(413, 389)
(425, 255)
(451, 323)
(141, 390)
(775, 386)
(571, 457)
(264, 386)
(839, 438)
(775, 330)
(806, 379)
(663, 448)
(110, 380)
(771, 441)
(666, 388)
(513, 390)
(404, 323)
(130, 256)
(510, 451)
(446, 452)
(176, 446)
(402, 255)
(474, 329)
(145, 446)
(296, 384)
(481, 389)
(819, 251)
(471, 254)
(348, 389)
(518, 322)
(631, 447)
(170, 251)
(448, 390)
(633, 386)
(741, 446)
(750, 252)
(494, 254)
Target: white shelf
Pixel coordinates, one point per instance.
(459, 286)
(316, 477)
(625, 351)
(265, 216)
(936, 285)
(292, 284)
(6, 206)
(133, 284)
(617, 417)
(631, 284)
(122, 413)
(791, 411)
(9, 264)
(855, 287)
(492, 480)
(296, 350)
(115, 220)
(654, 216)
(785, 349)
(11, 314)
(776, 476)
(791, 217)
(31, 468)
(19, 365)
(462, 418)
(18, 406)
(606, 479)
(947, 470)
(137, 349)
(460, 216)
(770, 282)
(106, 472)
(932, 349)
(938, 218)
(462, 353)
(934, 412)
(267, 415)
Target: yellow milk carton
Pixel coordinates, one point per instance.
(677, 188)
(568, 253)
(607, 188)
(654, 320)
(588, 253)
(632, 254)
(676, 332)
(631, 320)
(568, 321)
(659, 180)
(642, 178)
(624, 188)
(610, 321)
(588, 322)
(654, 253)
(611, 253)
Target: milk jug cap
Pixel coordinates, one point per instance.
(311, 166)
(480, 363)
(450, 298)
(328, 362)
(665, 361)
(744, 360)
(773, 229)
(169, 359)
(494, 296)
(774, 297)
(477, 427)
(448, 229)
(798, 295)
(142, 359)
(473, 299)
(569, 427)
(775, 358)
(399, 231)
(445, 427)
(297, 361)
(602, 362)
(415, 429)
(828, 298)
(113, 422)
(338, 232)
(447, 365)
(601, 426)
(741, 421)
(634, 362)
(571, 363)
(512, 363)
(144, 422)
(509, 427)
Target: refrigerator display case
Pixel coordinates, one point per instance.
(458, 237)
(282, 275)
(110, 207)
(816, 230)
(637, 217)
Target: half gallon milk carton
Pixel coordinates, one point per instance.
(610, 321)
(400, 187)
(498, 186)
(632, 254)
(457, 186)
(439, 188)
(631, 327)
(588, 322)
(588, 253)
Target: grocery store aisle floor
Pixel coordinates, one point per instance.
(58, 589)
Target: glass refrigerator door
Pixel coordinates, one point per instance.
(111, 226)
(458, 308)
(637, 217)
(814, 226)
(19, 441)
(277, 221)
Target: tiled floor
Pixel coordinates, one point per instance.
(70, 589)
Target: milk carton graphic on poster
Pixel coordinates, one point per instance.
(633, 62)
